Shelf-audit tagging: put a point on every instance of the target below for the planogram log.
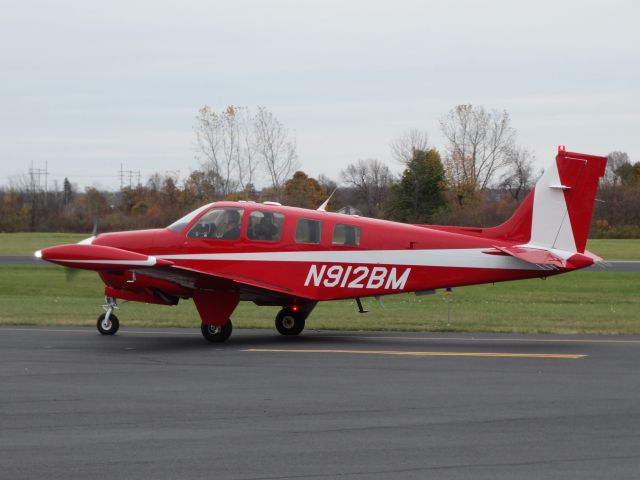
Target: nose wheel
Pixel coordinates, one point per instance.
(289, 322)
(108, 323)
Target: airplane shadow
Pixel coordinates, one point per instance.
(166, 342)
(188, 341)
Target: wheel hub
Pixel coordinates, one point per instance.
(214, 330)
(106, 324)
(288, 322)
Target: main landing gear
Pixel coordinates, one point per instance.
(108, 323)
(290, 320)
(215, 333)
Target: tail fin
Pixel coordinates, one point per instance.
(557, 213)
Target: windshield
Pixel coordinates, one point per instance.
(218, 223)
(179, 225)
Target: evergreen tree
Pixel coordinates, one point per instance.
(419, 193)
(67, 192)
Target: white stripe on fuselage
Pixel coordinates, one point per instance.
(462, 258)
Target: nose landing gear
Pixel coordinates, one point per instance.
(108, 323)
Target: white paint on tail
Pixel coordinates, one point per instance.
(551, 227)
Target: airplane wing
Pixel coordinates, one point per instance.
(110, 259)
(247, 288)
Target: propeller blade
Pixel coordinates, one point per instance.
(70, 273)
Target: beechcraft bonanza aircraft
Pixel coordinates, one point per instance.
(270, 254)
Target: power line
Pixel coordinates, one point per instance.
(131, 174)
(35, 178)
(36, 184)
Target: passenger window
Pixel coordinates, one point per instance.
(346, 235)
(219, 223)
(265, 226)
(308, 231)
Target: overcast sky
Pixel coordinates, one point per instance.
(87, 86)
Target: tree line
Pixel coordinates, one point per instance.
(478, 179)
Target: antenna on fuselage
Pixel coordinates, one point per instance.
(323, 207)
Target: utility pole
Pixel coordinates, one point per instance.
(35, 189)
(35, 178)
(128, 173)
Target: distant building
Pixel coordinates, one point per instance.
(349, 210)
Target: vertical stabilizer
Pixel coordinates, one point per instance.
(557, 213)
(563, 201)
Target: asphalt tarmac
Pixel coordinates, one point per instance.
(164, 404)
(612, 266)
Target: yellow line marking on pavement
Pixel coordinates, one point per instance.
(419, 354)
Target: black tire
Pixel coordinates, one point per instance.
(289, 322)
(217, 334)
(108, 327)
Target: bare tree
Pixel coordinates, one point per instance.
(520, 176)
(403, 147)
(224, 139)
(209, 137)
(275, 146)
(328, 185)
(234, 141)
(372, 180)
(245, 160)
(479, 145)
(615, 160)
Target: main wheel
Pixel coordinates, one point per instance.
(108, 326)
(289, 322)
(215, 333)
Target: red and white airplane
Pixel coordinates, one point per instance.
(270, 254)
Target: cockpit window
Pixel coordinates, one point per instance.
(346, 235)
(179, 225)
(218, 224)
(265, 226)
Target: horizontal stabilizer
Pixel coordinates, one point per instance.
(540, 257)
(546, 259)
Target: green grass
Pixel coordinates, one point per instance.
(27, 243)
(590, 302)
(615, 248)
